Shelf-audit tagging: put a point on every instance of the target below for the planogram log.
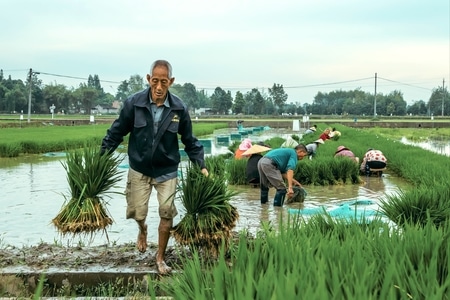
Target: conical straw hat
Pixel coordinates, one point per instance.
(256, 149)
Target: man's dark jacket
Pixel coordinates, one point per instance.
(149, 153)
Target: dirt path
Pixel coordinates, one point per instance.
(59, 258)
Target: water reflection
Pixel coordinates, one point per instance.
(33, 189)
(437, 146)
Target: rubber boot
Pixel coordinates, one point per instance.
(264, 194)
(278, 200)
(367, 170)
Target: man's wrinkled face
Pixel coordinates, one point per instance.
(159, 83)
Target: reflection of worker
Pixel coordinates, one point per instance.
(373, 159)
(276, 166)
(244, 146)
(154, 118)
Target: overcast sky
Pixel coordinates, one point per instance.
(305, 45)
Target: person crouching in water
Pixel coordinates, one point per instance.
(373, 159)
(277, 166)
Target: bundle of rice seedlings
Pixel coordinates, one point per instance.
(90, 176)
(299, 195)
(209, 217)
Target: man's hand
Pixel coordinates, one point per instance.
(290, 193)
(295, 182)
(205, 172)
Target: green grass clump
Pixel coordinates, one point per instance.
(236, 171)
(418, 207)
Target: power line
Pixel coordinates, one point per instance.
(325, 84)
(402, 83)
(74, 77)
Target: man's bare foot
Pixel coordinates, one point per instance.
(142, 239)
(163, 269)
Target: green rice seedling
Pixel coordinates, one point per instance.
(418, 206)
(209, 217)
(216, 164)
(236, 171)
(274, 142)
(296, 137)
(304, 172)
(90, 176)
(10, 150)
(325, 172)
(344, 261)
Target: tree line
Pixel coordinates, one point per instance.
(14, 97)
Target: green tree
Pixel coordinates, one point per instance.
(221, 101)
(203, 99)
(190, 96)
(418, 108)
(439, 97)
(239, 103)
(16, 99)
(85, 97)
(129, 87)
(278, 95)
(57, 95)
(123, 91)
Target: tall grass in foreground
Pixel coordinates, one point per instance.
(303, 261)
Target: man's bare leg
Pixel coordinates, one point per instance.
(165, 225)
(142, 236)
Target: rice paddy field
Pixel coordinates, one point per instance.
(319, 257)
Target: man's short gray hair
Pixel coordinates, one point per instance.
(161, 63)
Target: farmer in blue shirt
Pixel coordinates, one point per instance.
(277, 166)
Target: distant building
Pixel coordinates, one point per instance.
(106, 109)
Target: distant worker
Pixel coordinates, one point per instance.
(334, 134)
(373, 161)
(239, 124)
(244, 146)
(255, 154)
(311, 148)
(325, 134)
(343, 151)
(311, 130)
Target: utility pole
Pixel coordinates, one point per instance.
(30, 79)
(443, 96)
(30, 74)
(375, 99)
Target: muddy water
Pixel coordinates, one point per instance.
(33, 189)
